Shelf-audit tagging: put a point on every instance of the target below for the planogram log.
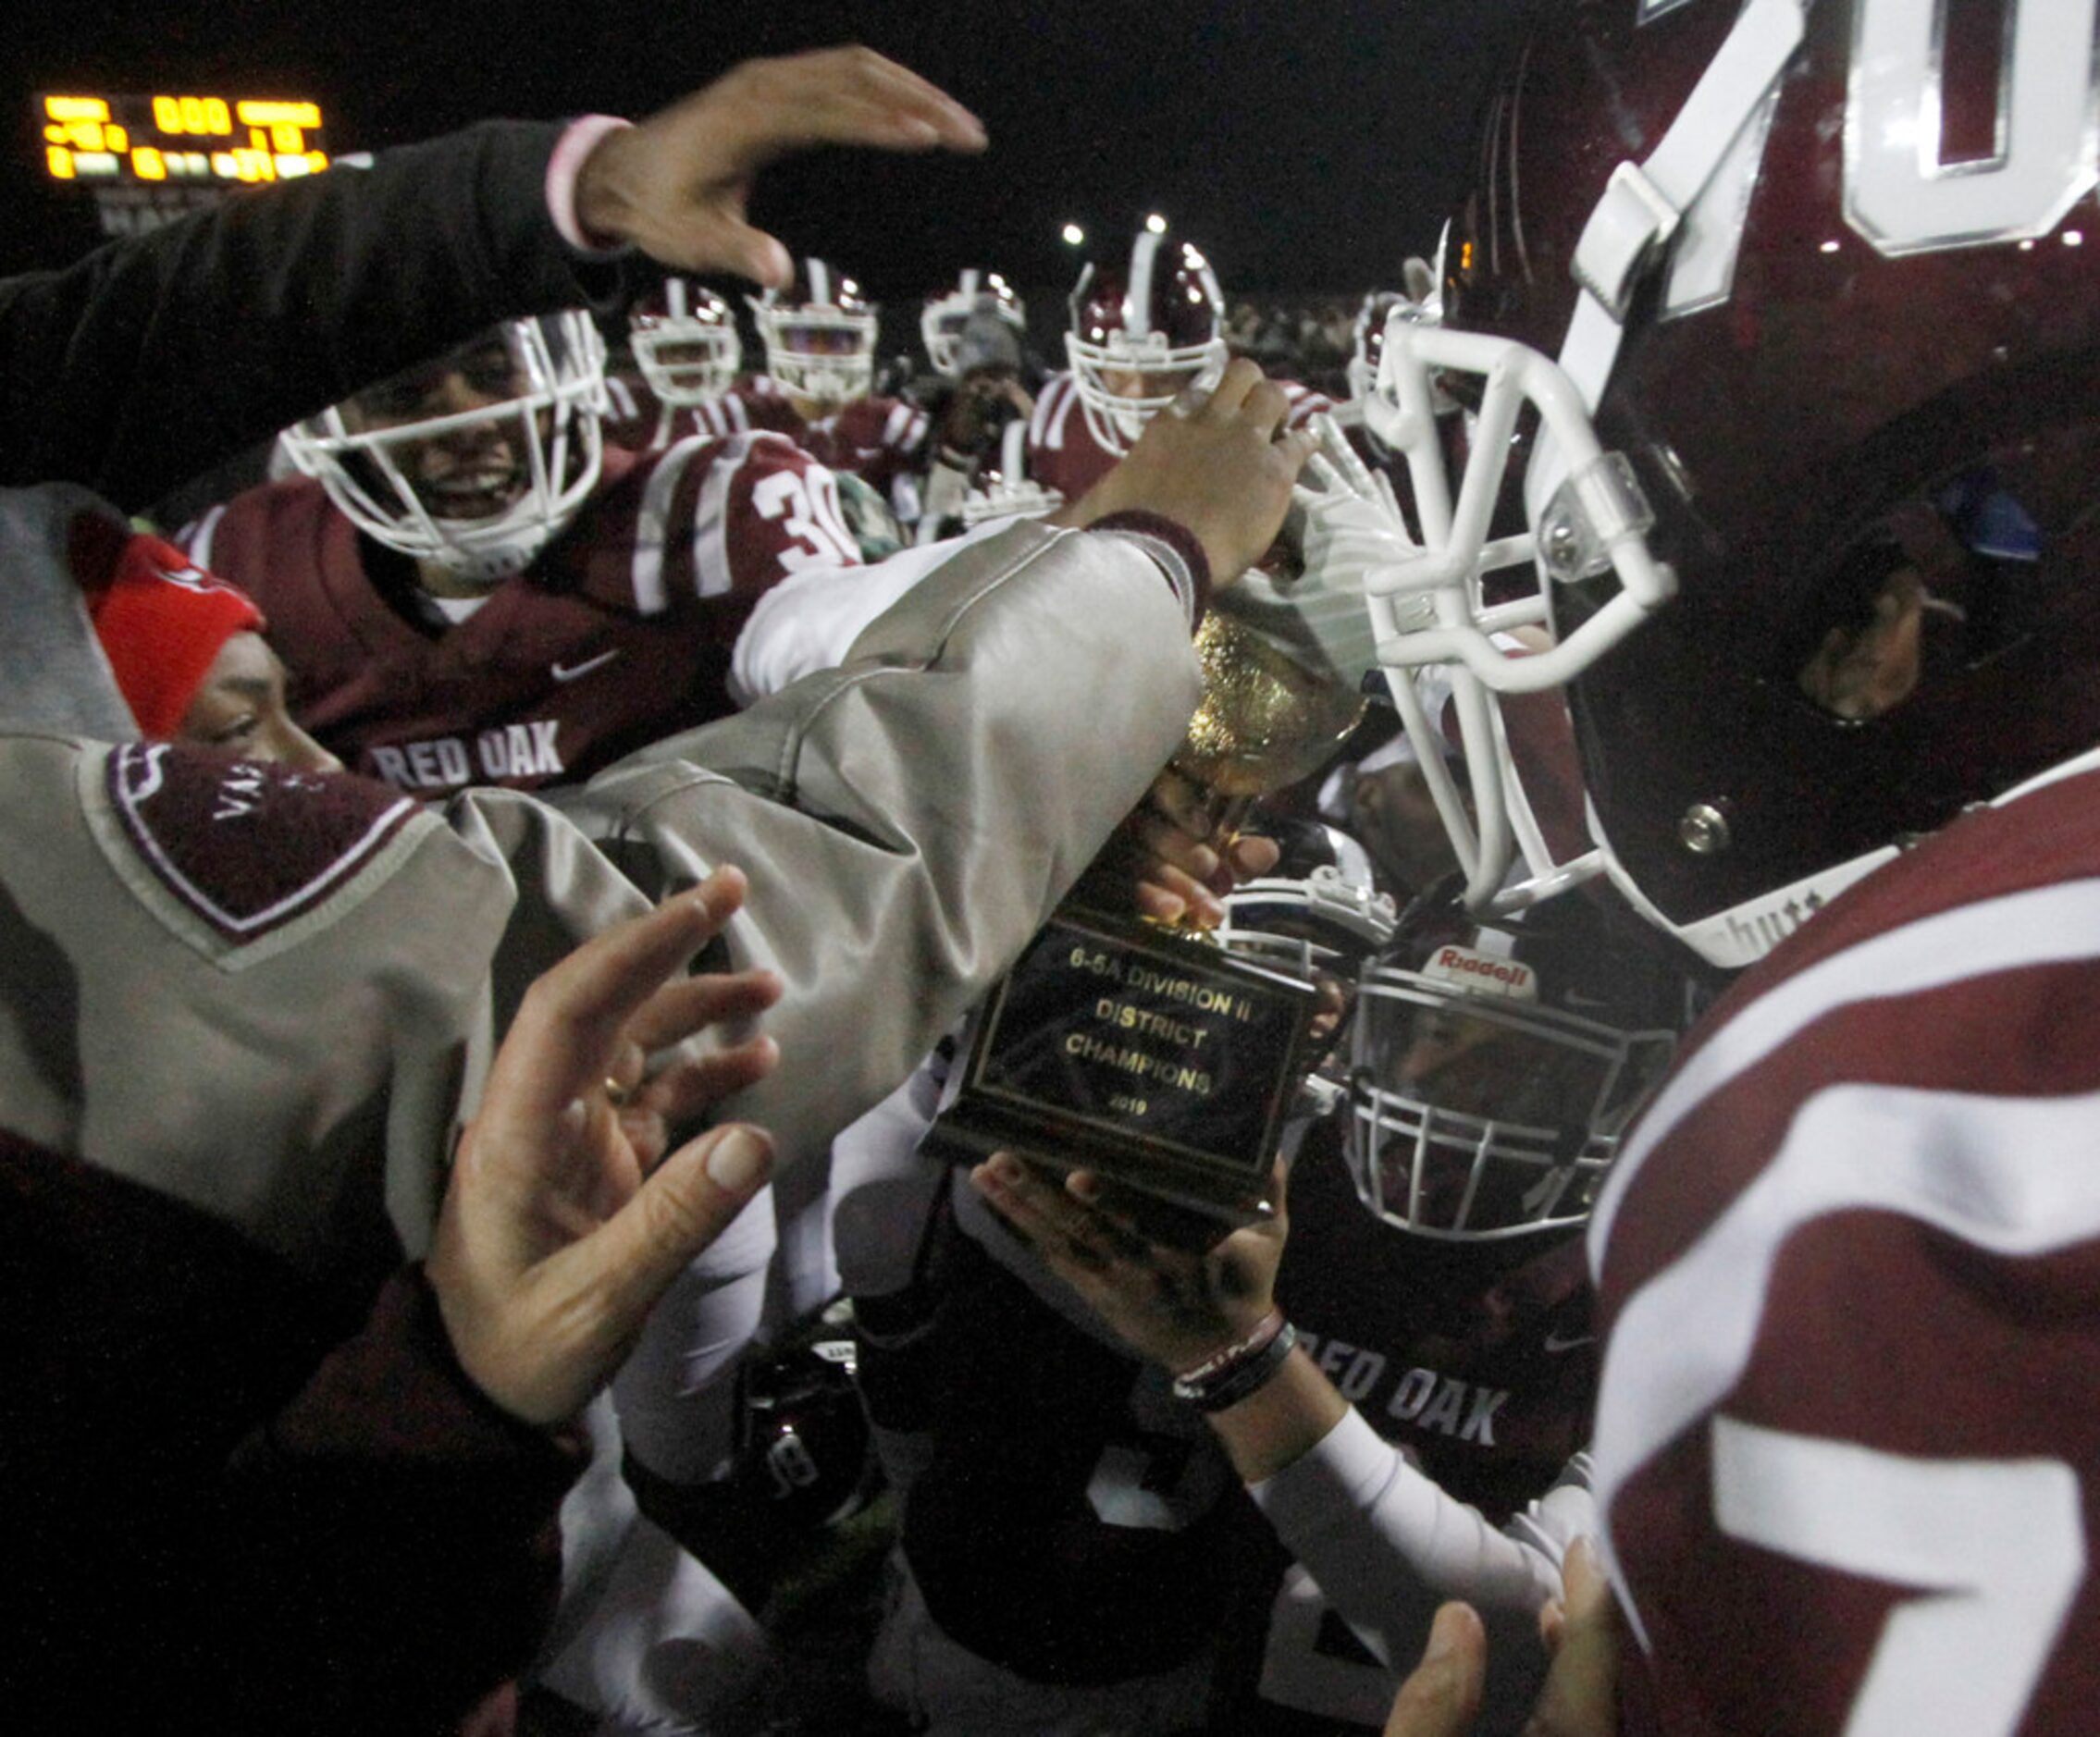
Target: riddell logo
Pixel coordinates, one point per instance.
(1483, 971)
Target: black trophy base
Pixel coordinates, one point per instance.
(1153, 1059)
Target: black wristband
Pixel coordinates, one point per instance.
(1232, 1375)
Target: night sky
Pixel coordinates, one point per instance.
(1305, 147)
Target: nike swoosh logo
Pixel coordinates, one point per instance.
(569, 672)
(1556, 1344)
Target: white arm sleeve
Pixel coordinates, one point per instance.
(1387, 1545)
(811, 619)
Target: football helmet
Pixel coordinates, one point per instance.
(1789, 356)
(1008, 491)
(1416, 304)
(474, 459)
(804, 1454)
(1317, 918)
(1142, 334)
(1319, 910)
(940, 322)
(684, 337)
(819, 335)
(1494, 1064)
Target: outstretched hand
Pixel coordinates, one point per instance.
(561, 1227)
(1222, 467)
(677, 185)
(1174, 1307)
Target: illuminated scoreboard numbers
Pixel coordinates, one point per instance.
(172, 140)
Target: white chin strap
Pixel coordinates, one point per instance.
(1585, 512)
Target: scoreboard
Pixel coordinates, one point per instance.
(179, 140)
(148, 159)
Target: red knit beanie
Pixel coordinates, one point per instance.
(161, 620)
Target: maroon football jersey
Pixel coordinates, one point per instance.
(1074, 1524)
(1479, 1359)
(618, 633)
(1848, 1448)
(636, 418)
(879, 440)
(1064, 455)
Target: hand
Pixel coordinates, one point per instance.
(1580, 1696)
(1176, 858)
(1223, 470)
(553, 1246)
(1171, 1306)
(675, 186)
(979, 408)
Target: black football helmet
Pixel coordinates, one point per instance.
(1495, 1064)
(805, 1455)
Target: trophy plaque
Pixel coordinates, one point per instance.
(1150, 1055)
(1153, 1055)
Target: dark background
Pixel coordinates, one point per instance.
(1304, 146)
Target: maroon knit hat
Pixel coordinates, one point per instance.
(162, 621)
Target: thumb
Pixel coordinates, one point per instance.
(1442, 1695)
(691, 1200)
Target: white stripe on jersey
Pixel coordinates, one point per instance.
(2044, 926)
(196, 538)
(898, 432)
(2010, 1175)
(652, 522)
(711, 574)
(2013, 1176)
(1053, 410)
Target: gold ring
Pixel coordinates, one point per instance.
(615, 1093)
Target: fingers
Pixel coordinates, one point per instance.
(691, 1200)
(569, 1028)
(1250, 855)
(689, 1005)
(1580, 1698)
(853, 96)
(680, 1094)
(1239, 379)
(1170, 895)
(1441, 1697)
(1169, 843)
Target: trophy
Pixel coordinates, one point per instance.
(1149, 1054)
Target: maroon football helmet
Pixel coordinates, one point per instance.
(684, 337)
(819, 335)
(1143, 333)
(1810, 479)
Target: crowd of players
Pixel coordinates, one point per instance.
(1682, 611)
